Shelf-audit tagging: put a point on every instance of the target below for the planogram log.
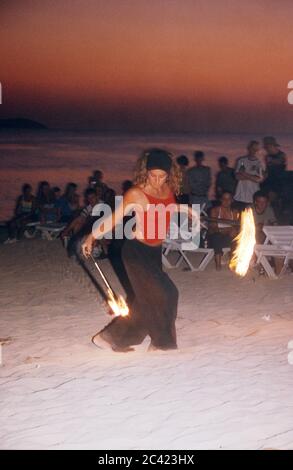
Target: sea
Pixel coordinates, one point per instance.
(64, 156)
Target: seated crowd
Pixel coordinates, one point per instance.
(50, 205)
(266, 188)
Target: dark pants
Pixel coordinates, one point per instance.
(115, 258)
(16, 226)
(218, 241)
(153, 310)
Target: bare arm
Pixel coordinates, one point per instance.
(131, 199)
(128, 203)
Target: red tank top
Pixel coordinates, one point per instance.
(156, 219)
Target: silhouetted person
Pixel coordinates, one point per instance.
(276, 163)
(57, 193)
(225, 180)
(46, 203)
(25, 212)
(68, 203)
(199, 180)
(276, 160)
(109, 197)
(96, 182)
(126, 185)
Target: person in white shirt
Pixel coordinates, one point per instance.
(249, 173)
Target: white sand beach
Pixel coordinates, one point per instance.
(229, 386)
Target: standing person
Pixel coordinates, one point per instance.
(199, 180)
(154, 308)
(249, 174)
(96, 181)
(221, 234)
(183, 162)
(225, 179)
(276, 163)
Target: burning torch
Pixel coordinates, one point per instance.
(116, 302)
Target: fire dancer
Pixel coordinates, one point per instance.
(154, 308)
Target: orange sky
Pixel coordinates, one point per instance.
(213, 65)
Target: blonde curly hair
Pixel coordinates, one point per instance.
(174, 176)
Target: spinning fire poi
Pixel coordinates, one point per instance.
(116, 302)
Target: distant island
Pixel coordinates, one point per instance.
(20, 123)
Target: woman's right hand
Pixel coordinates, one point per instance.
(87, 246)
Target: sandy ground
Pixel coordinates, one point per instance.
(229, 386)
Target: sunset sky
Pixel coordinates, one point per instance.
(152, 65)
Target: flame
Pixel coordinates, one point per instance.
(245, 244)
(118, 306)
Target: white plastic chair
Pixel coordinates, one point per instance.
(50, 231)
(278, 244)
(184, 249)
